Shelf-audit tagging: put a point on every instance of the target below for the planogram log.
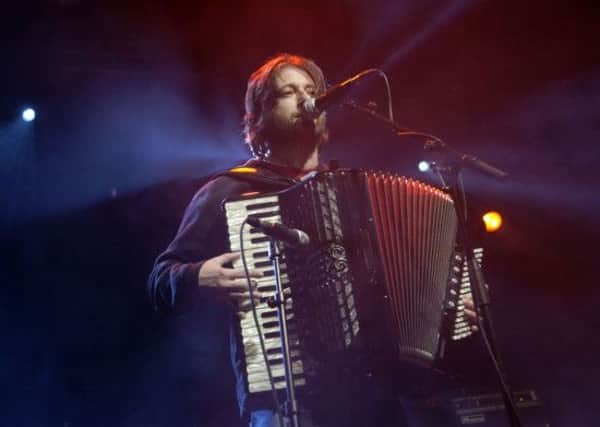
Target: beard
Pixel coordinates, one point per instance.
(291, 128)
(296, 132)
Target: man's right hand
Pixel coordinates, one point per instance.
(232, 281)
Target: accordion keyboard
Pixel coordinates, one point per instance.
(459, 288)
(462, 327)
(256, 248)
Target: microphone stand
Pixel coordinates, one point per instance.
(291, 405)
(481, 294)
(451, 172)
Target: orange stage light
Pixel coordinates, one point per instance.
(492, 221)
(249, 193)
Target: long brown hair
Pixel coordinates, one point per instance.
(260, 95)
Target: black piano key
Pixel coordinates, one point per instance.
(270, 273)
(291, 324)
(259, 240)
(269, 314)
(274, 350)
(273, 324)
(279, 360)
(260, 254)
(269, 335)
(264, 205)
(282, 378)
(262, 264)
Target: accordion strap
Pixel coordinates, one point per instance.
(257, 175)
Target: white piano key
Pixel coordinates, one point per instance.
(234, 223)
(259, 371)
(253, 344)
(264, 385)
(252, 333)
(248, 321)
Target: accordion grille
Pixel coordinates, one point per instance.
(415, 227)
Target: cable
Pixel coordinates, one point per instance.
(258, 329)
(388, 89)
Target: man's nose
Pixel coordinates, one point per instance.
(303, 96)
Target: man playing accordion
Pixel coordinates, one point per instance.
(195, 272)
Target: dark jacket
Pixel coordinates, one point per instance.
(198, 319)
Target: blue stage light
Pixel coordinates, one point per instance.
(28, 114)
(423, 166)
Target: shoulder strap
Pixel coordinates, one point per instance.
(256, 175)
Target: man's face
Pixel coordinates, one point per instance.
(292, 85)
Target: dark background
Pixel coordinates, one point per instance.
(137, 101)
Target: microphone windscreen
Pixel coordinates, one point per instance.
(253, 221)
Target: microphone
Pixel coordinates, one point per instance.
(291, 236)
(313, 107)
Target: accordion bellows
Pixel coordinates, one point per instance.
(416, 232)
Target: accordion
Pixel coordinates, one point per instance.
(381, 279)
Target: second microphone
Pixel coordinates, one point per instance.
(291, 236)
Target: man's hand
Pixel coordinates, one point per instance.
(471, 313)
(232, 281)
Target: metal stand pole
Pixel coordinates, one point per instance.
(480, 292)
(291, 405)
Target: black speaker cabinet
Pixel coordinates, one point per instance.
(475, 410)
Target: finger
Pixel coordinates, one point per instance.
(240, 283)
(468, 302)
(240, 297)
(227, 257)
(257, 295)
(231, 288)
(471, 315)
(470, 312)
(244, 308)
(244, 297)
(236, 273)
(246, 303)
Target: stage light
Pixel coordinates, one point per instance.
(492, 221)
(28, 114)
(423, 166)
